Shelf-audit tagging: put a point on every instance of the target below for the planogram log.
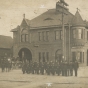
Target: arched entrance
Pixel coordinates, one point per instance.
(25, 53)
(58, 55)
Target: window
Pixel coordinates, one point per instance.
(57, 35)
(47, 56)
(22, 38)
(61, 35)
(43, 36)
(79, 33)
(83, 57)
(39, 56)
(26, 37)
(74, 33)
(47, 35)
(43, 55)
(39, 36)
(87, 35)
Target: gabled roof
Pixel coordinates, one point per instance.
(52, 14)
(6, 42)
(77, 20)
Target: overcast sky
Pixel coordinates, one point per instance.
(11, 11)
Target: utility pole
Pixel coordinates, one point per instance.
(63, 40)
(63, 31)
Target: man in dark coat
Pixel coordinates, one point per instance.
(42, 69)
(58, 69)
(62, 68)
(32, 68)
(76, 66)
(65, 68)
(53, 69)
(24, 67)
(71, 68)
(37, 68)
(48, 69)
(3, 64)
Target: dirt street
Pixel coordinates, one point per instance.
(15, 79)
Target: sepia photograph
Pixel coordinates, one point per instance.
(43, 43)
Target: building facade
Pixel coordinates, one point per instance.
(41, 38)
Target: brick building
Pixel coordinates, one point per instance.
(40, 39)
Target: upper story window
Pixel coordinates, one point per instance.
(47, 35)
(43, 36)
(58, 35)
(24, 36)
(87, 35)
(78, 33)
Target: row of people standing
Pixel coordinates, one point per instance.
(5, 64)
(63, 68)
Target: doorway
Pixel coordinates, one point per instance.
(25, 53)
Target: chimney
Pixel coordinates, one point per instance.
(24, 16)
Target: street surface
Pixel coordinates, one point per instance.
(15, 79)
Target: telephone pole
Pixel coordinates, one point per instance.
(63, 31)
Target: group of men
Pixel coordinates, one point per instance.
(63, 68)
(5, 64)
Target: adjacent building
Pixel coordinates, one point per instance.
(6, 45)
(40, 39)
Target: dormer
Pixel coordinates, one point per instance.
(25, 23)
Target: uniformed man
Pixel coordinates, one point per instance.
(42, 69)
(37, 68)
(71, 68)
(53, 69)
(32, 68)
(3, 65)
(55, 66)
(76, 66)
(45, 66)
(62, 68)
(48, 69)
(65, 68)
(28, 68)
(24, 67)
(58, 69)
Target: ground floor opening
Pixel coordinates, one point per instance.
(25, 54)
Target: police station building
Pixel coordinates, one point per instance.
(40, 39)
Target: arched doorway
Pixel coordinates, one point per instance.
(25, 53)
(58, 55)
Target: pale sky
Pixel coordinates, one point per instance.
(11, 11)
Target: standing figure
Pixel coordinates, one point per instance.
(32, 68)
(53, 69)
(37, 68)
(3, 64)
(71, 68)
(48, 69)
(65, 68)
(42, 69)
(58, 69)
(24, 67)
(76, 66)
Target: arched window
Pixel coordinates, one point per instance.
(58, 55)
